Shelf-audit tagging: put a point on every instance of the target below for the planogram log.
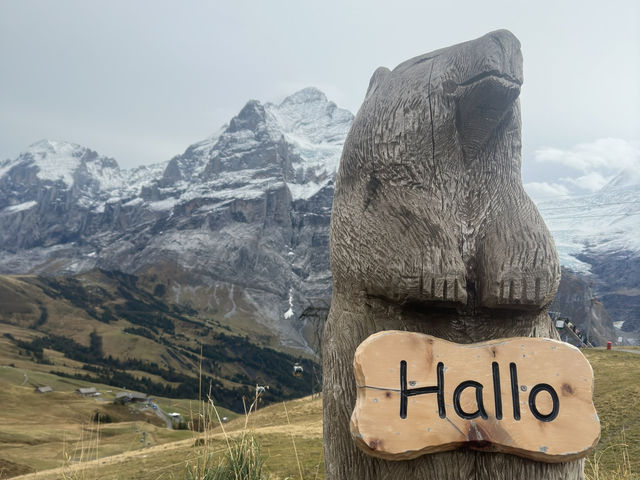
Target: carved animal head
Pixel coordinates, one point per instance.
(433, 149)
(441, 106)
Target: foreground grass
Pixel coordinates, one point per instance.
(168, 461)
(290, 437)
(617, 399)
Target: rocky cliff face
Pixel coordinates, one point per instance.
(238, 224)
(576, 299)
(617, 283)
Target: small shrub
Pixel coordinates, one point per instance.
(43, 317)
(159, 290)
(107, 316)
(141, 331)
(241, 461)
(101, 417)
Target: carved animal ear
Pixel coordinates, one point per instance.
(376, 79)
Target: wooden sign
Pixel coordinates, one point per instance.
(419, 394)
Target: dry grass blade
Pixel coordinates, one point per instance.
(242, 459)
(295, 450)
(85, 450)
(595, 471)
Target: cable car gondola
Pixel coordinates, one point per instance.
(260, 389)
(298, 370)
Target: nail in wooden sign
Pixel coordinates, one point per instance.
(419, 394)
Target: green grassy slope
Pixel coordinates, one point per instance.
(43, 431)
(617, 399)
(122, 330)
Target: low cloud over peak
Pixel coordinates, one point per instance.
(595, 164)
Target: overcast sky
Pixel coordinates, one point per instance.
(141, 80)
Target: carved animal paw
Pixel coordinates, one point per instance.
(517, 262)
(515, 288)
(426, 288)
(444, 288)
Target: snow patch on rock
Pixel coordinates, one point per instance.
(289, 313)
(20, 207)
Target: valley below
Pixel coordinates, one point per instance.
(110, 328)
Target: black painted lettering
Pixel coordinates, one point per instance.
(497, 393)
(515, 394)
(405, 392)
(480, 412)
(544, 387)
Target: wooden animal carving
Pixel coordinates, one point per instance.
(432, 232)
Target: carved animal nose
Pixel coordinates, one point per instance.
(508, 55)
(507, 39)
(485, 98)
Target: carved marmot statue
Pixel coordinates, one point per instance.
(431, 231)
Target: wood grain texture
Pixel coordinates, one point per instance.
(432, 232)
(419, 394)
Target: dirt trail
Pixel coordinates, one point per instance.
(307, 429)
(114, 459)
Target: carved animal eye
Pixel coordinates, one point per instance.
(449, 86)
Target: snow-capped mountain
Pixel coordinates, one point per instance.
(297, 143)
(54, 193)
(238, 222)
(63, 162)
(73, 167)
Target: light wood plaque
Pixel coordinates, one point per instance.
(418, 394)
